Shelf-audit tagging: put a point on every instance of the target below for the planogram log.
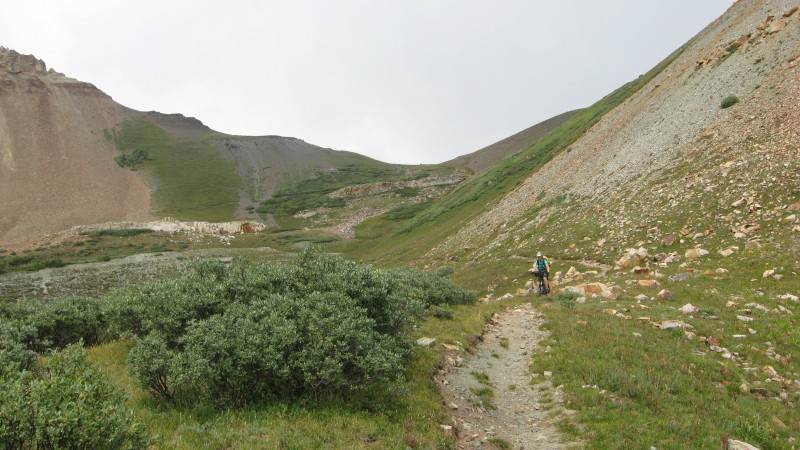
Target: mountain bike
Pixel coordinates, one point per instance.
(540, 289)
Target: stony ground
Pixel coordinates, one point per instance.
(525, 406)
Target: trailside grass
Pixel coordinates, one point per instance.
(636, 385)
(390, 416)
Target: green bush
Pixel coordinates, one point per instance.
(404, 212)
(17, 341)
(134, 159)
(66, 403)
(64, 321)
(729, 101)
(231, 334)
(443, 312)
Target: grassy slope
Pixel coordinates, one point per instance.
(407, 241)
(191, 180)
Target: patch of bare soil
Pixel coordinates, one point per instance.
(523, 408)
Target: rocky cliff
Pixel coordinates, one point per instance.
(56, 168)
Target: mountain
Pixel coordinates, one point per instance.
(481, 160)
(56, 169)
(706, 142)
(70, 155)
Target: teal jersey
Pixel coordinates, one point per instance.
(541, 265)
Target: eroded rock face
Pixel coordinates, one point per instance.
(56, 168)
(15, 63)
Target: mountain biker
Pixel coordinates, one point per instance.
(541, 268)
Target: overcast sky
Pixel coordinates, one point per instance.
(402, 81)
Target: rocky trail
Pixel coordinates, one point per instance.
(493, 395)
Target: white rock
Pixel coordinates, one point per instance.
(674, 325)
(642, 298)
(426, 342)
(727, 252)
(739, 336)
(745, 318)
(689, 309)
(768, 273)
(791, 297)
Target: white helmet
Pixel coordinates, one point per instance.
(538, 254)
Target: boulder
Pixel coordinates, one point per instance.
(775, 27)
(426, 342)
(640, 270)
(733, 444)
(592, 289)
(790, 219)
(689, 309)
(649, 283)
(633, 257)
(674, 325)
(668, 240)
(665, 294)
(768, 273)
(727, 252)
(695, 253)
(790, 297)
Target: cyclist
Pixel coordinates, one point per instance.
(541, 268)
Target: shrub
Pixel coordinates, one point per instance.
(135, 158)
(66, 403)
(17, 341)
(729, 101)
(443, 312)
(64, 321)
(244, 332)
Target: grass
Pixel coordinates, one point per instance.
(482, 377)
(648, 383)
(499, 443)
(729, 101)
(484, 397)
(191, 180)
(400, 416)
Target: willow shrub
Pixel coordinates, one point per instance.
(65, 402)
(237, 333)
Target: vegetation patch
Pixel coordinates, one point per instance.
(729, 101)
(192, 180)
(312, 192)
(321, 325)
(65, 402)
(128, 232)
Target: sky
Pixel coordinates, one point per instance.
(402, 81)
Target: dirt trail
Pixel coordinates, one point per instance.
(525, 413)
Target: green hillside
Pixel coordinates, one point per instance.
(407, 240)
(190, 179)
